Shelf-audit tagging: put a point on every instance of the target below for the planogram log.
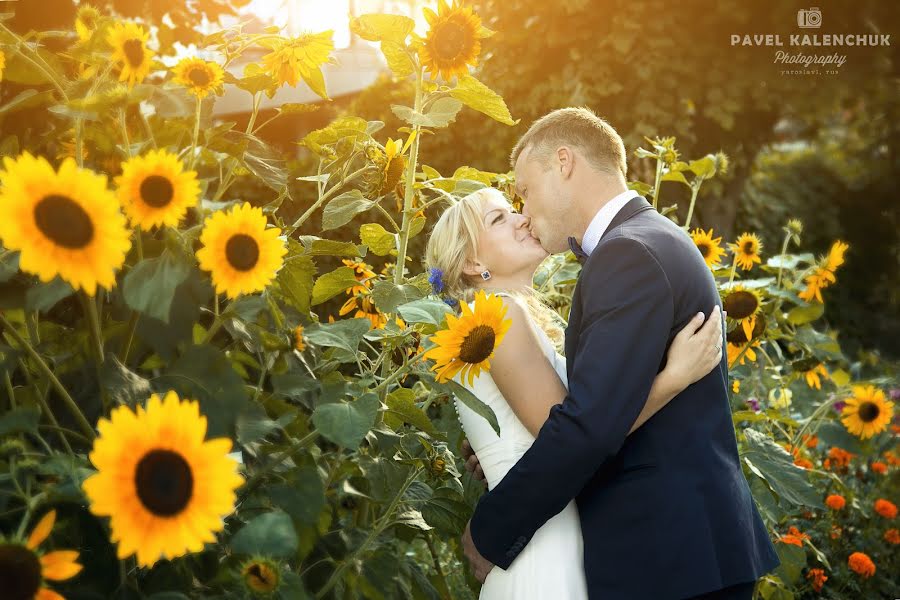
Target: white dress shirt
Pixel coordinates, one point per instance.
(602, 220)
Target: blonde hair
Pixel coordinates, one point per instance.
(578, 127)
(454, 240)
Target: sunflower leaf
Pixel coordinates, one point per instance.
(331, 284)
(377, 27)
(475, 94)
(774, 464)
(440, 114)
(472, 401)
(149, 287)
(347, 423)
(346, 334)
(340, 210)
(270, 534)
(295, 281)
(401, 404)
(377, 238)
(388, 295)
(425, 310)
(20, 419)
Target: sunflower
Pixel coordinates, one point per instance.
(23, 571)
(86, 22)
(708, 246)
(736, 350)
(299, 57)
(746, 250)
(453, 41)
(64, 223)
(813, 373)
(364, 275)
(743, 305)
(389, 165)
(867, 412)
(129, 44)
(836, 255)
(299, 342)
(242, 255)
(154, 189)
(823, 275)
(199, 76)
(365, 308)
(466, 346)
(165, 489)
(261, 575)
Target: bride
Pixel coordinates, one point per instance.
(480, 243)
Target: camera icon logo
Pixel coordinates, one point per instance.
(809, 18)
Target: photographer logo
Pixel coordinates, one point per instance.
(810, 18)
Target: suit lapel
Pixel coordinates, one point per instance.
(631, 208)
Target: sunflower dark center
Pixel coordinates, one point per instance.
(242, 252)
(740, 304)
(868, 412)
(64, 221)
(261, 578)
(704, 248)
(477, 345)
(134, 52)
(20, 572)
(164, 482)
(157, 191)
(199, 77)
(451, 40)
(748, 247)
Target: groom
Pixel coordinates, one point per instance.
(666, 513)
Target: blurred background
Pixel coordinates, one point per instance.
(821, 147)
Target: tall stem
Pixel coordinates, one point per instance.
(196, 134)
(71, 405)
(409, 188)
(324, 198)
(656, 184)
(784, 246)
(695, 189)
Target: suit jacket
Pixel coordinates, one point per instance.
(666, 512)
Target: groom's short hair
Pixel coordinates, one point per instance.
(579, 127)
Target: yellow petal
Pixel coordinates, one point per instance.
(60, 565)
(42, 530)
(48, 594)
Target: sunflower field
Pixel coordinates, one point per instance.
(226, 374)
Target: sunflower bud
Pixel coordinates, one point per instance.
(438, 466)
(261, 576)
(795, 226)
(12, 448)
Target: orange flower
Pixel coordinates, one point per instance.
(891, 458)
(836, 532)
(795, 451)
(892, 536)
(879, 467)
(840, 456)
(886, 509)
(835, 502)
(803, 463)
(826, 464)
(793, 536)
(818, 578)
(811, 440)
(861, 564)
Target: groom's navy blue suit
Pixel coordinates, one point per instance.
(666, 512)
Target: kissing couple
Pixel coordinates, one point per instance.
(616, 473)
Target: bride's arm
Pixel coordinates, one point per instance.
(531, 386)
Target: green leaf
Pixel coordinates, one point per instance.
(402, 404)
(793, 560)
(23, 419)
(475, 94)
(789, 261)
(295, 282)
(122, 385)
(472, 401)
(347, 423)
(254, 425)
(800, 315)
(9, 265)
(303, 498)
(316, 246)
(833, 433)
(388, 295)
(397, 56)
(44, 296)
(270, 534)
(331, 284)
(149, 287)
(426, 310)
(375, 27)
(377, 238)
(446, 512)
(341, 209)
(775, 465)
(345, 334)
(294, 385)
(440, 114)
(704, 167)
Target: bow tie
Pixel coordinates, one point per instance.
(577, 250)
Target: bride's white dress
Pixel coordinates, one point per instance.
(551, 564)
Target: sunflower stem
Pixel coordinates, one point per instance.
(125, 133)
(256, 99)
(695, 189)
(71, 405)
(37, 61)
(93, 318)
(196, 134)
(324, 198)
(409, 191)
(658, 182)
(784, 247)
(129, 337)
(254, 481)
(733, 269)
(42, 401)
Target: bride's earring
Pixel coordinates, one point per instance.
(485, 274)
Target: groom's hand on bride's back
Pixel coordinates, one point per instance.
(472, 464)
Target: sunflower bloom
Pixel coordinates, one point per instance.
(812, 376)
(200, 77)
(885, 508)
(743, 305)
(466, 346)
(823, 276)
(155, 190)
(24, 569)
(835, 502)
(363, 273)
(129, 45)
(165, 489)
(299, 341)
(261, 576)
(861, 564)
(746, 250)
(867, 412)
(744, 351)
(817, 578)
(239, 252)
(389, 167)
(708, 246)
(299, 58)
(365, 308)
(64, 223)
(86, 22)
(453, 41)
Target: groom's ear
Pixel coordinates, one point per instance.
(565, 158)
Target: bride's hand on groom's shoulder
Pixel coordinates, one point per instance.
(696, 349)
(472, 464)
